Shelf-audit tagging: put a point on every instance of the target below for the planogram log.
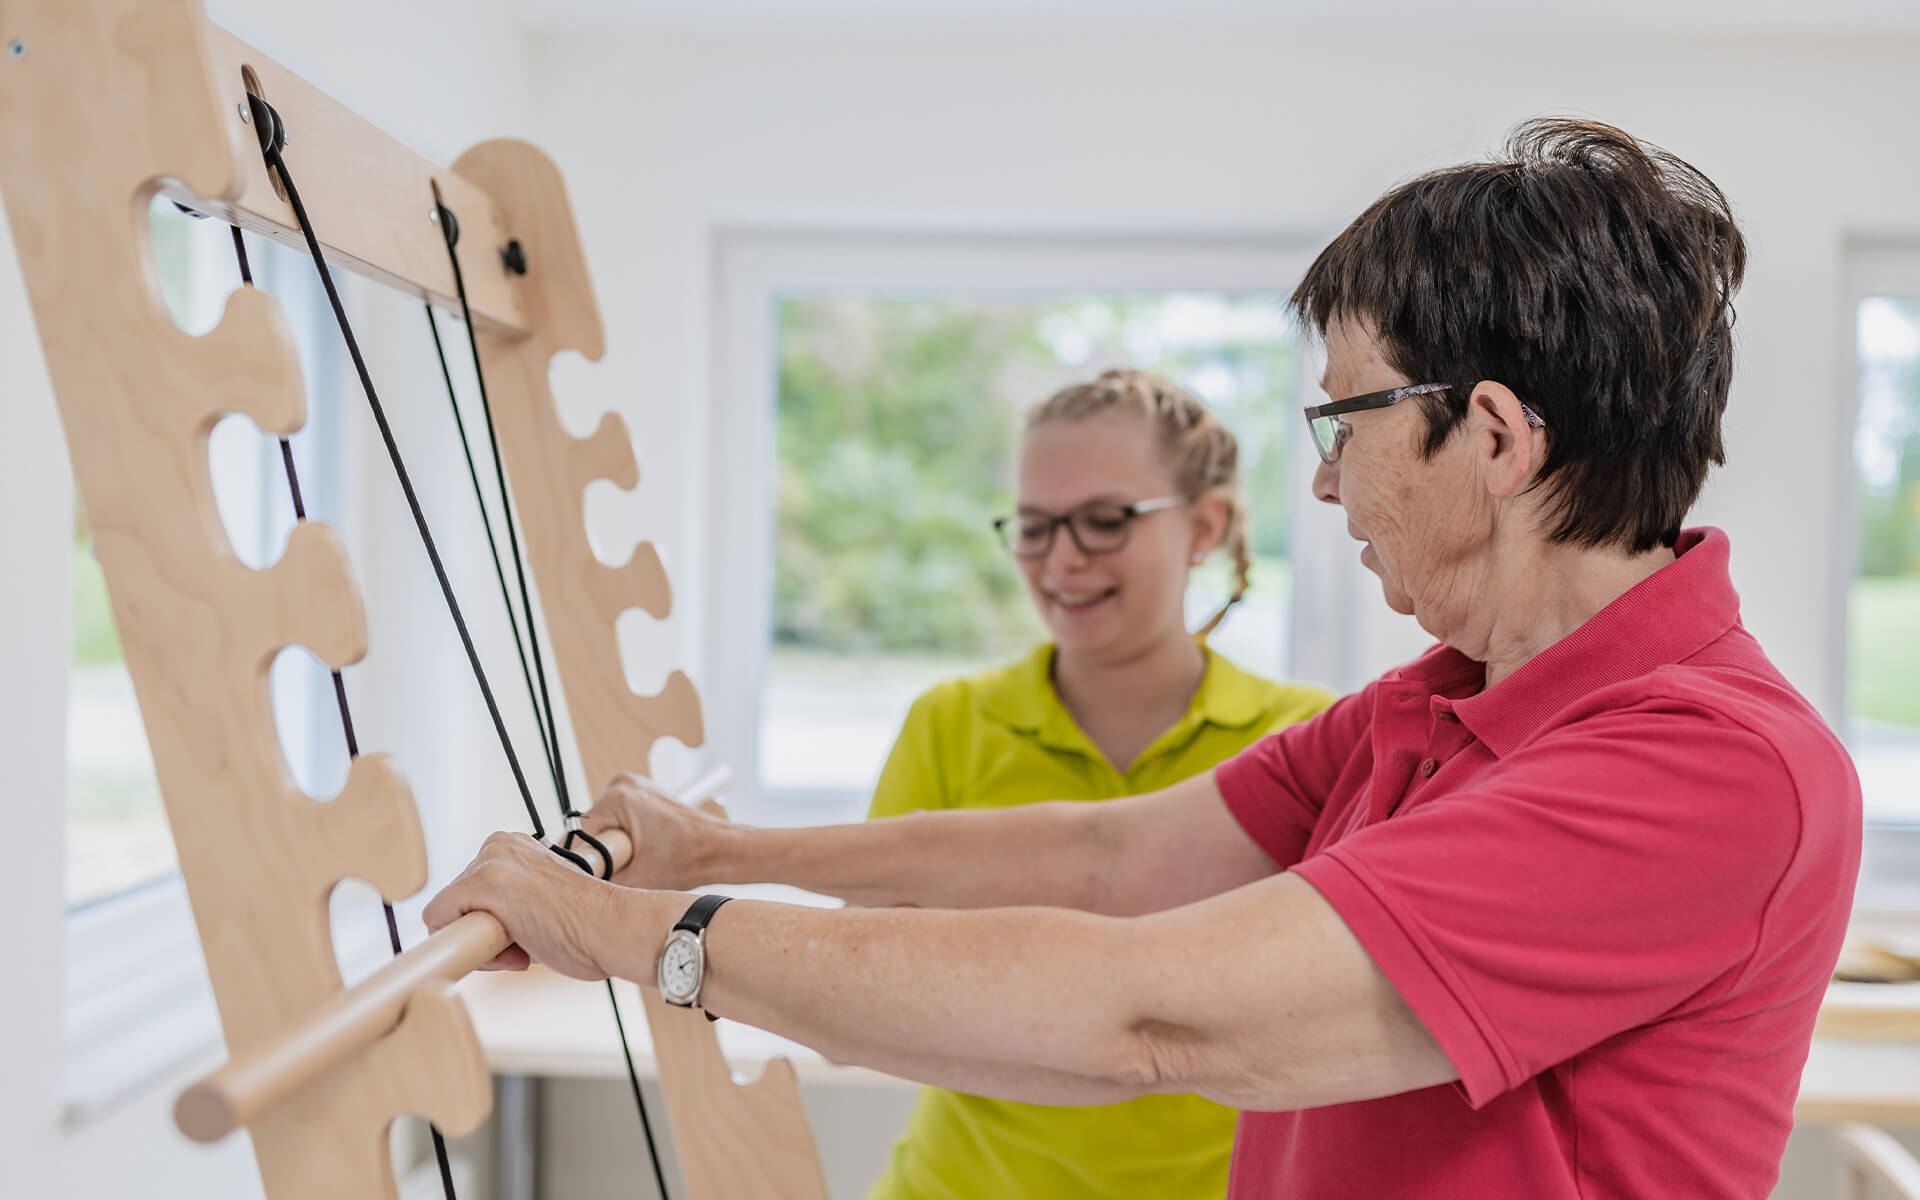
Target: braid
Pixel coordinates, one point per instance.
(1242, 571)
(1203, 453)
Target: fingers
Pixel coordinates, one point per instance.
(451, 904)
(464, 894)
(615, 809)
(513, 958)
(539, 900)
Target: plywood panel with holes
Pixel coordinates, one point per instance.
(102, 103)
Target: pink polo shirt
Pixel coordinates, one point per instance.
(1613, 888)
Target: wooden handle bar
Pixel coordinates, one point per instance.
(254, 1084)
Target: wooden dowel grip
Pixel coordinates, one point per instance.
(254, 1084)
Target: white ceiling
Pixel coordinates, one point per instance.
(1731, 17)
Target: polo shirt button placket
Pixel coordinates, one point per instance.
(1428, 766)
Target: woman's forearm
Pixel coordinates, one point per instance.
(1260, 998)
(1037, 854)
(1123, 857)
(1009, 1003)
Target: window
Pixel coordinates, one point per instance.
(890, 378)
(1883, 662)
(116, 829)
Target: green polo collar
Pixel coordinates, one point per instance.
(1022, 697)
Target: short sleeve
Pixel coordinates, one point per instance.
(1278, 787)
(912, 777)
(1606, 875)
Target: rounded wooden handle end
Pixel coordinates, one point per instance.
(204, 1112)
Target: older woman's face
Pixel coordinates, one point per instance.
(1422, 522)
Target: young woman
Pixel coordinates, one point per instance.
(1125, 484)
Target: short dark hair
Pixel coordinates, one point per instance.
(1588, 271)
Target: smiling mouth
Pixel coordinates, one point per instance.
(1080, 600)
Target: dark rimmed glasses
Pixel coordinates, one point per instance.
(1330, 433)
(1098, 527)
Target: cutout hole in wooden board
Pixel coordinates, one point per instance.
(614, 521)
(189, 265)
(359, 926)
(650, 650)
(583, 391)
(307, 717)
(250, 490)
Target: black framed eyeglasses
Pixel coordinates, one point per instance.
(1330, 433)
(1099, 527)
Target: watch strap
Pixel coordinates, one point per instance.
(700, 912)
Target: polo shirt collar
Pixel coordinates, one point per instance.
(1023, 698)
(1667, 617)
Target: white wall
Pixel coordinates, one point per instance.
(668, 137)
(440, 74)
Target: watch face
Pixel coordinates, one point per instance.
(680, 968)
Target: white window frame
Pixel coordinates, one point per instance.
(1890, 859)
(755, 267)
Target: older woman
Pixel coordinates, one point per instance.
(1545, 913)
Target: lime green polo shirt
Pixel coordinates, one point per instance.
(1004, 738)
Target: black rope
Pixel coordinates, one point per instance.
(450, 233)
(639, 1104)
(272, 141)
(549, 738)
(346, 716)
(543, 702)
(540, 699)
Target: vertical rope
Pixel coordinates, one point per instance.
(549, 737)
(450, 233)
(543, 702)
(346, 715)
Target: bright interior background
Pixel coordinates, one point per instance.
(838, 250)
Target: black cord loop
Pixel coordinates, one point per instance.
(598, 847)
(572, 857)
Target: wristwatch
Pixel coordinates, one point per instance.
(683, 960)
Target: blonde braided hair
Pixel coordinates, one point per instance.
(1202, 453)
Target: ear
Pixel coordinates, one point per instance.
(1508, 450)
(1210, 518)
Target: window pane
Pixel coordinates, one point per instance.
(116, 830)
(898, 424)
(1883, 701)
